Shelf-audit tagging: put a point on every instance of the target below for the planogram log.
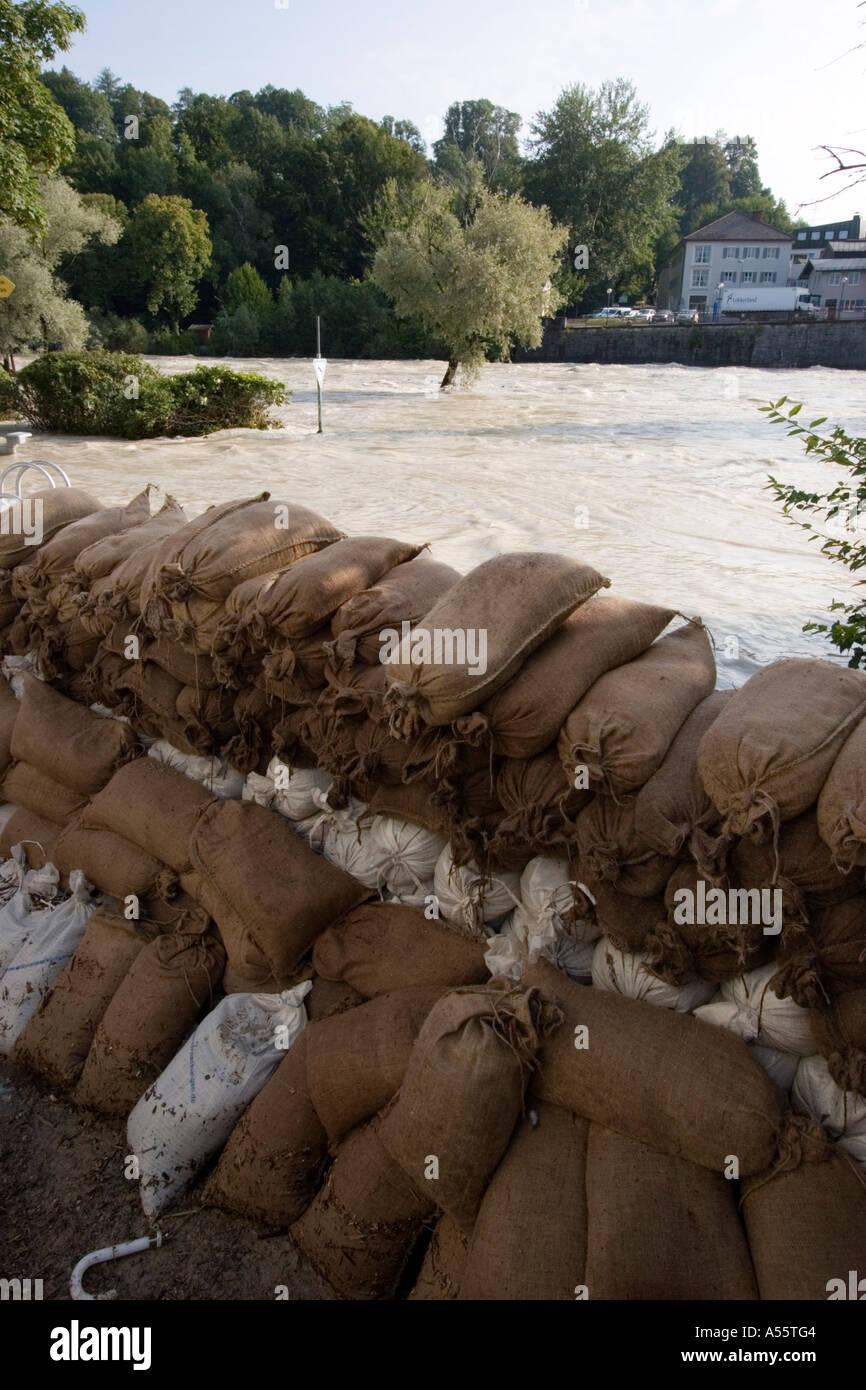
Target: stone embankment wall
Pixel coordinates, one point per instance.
(708, 345)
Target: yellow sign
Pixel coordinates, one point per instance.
(6, 287)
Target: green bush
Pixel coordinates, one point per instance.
(164, 342)
(840, 519)
(8, 396)
(117, 334)
(119, 394)
(215, 398)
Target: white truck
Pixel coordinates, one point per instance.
(772, 301)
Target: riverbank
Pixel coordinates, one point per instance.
(776, 345)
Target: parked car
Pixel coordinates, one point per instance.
(613, 311)
(646, 314)
(665, 316)
(688, 316)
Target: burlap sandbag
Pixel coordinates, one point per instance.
(330, 997)
(529, 1239)
(69, 743)
(229, 544)
(268, 892)
(806, 1223)
(57, 507)
(660, 1228)
(627, 920)
(37, 835)
(412, 803)
(60, 554)
(623, 727)
(102, 556)
(463, 1091)
(8, 715)
(154, 807)
(294, 673)
(676, 950)
(673, 813)
(404, 594)
(442, 1267)
(189, 668)
(272, 1165)
(611, 852)
(825, 959)
(305, 595)
(170, 982)
(77, 646)
(842, 803)
(768, 755)
(539, 807)
(356, 1060)
(800, 865)
(59, 1035)
(605, 632)
(362, 1227)
(113, 864)
(117, 596)
(380, 947)
(34, 790)
(840, 1037)
(354, 692)
(517, 601)
(658, 1076)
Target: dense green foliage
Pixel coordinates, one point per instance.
(8, 396)
(841, 529)
(114, 393)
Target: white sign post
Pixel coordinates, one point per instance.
(320, 363)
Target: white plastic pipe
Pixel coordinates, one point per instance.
(110, 1252)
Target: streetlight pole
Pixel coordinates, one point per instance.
(609, 295)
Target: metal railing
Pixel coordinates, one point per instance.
(19, 470)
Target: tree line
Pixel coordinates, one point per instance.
(257, 210)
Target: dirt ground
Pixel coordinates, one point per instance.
(63, 1194)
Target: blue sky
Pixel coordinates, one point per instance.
(775, 70)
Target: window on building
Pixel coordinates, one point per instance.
(853, 277)
(730, 252)
(836, 277)
(801, 236)
(729, 277)
(843, 235)
(751, 253)
(768, 277)
(700, 279)
(750, 277)
(816, 236)
(702, 255)
(770, 253)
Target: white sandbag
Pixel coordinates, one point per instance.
(33, 890)
(841, 1113)
(352, 847)
(523, 938)
(52, 936)
(13, 669)
(749, 1008)
(294, 788)
(328, 819)
(214, 773)
(549, 893)
(407, 854)
(105, 713)
(468, 899)
(422, 896)
(192, 1107)
(780, 1066)
(626, 973)
(7, 811)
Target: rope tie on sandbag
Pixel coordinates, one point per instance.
(166, 885)
(669, 955)
(801, 1140)
(746, 815)
(801, 979)
(402, 704)
(848, 1070)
